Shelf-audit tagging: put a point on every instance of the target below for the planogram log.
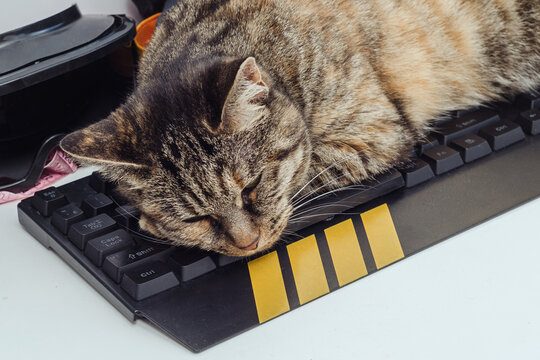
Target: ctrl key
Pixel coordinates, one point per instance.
(148, 279)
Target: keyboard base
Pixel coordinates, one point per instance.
(214, 307)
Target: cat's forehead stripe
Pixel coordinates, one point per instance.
(208, 9)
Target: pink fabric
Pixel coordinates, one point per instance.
(57, 167)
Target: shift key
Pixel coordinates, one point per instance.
(117, 264)
(467, 124)
(79, 233)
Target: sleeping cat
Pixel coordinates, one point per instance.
(243, 107)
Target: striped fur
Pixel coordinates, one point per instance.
(339, 90)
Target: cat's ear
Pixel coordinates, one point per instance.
(246, 98)
(108, 142)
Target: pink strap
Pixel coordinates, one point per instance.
(56, 168)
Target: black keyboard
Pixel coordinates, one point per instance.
(477, 164)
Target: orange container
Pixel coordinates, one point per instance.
(145, 30)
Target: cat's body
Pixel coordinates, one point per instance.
(334, 91)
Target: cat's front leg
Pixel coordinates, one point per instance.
(343, 159)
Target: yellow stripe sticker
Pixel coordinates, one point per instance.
(268, 287)
(345, 251)
(382, 236)
(307, 269)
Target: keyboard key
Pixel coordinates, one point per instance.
(99, 183)
(127, 216)
(117, 264)
(528, 101)
(501, 134)
(469, 123)
(443, 159)
(471, 147)
(430, 142)
(463, 112)
(148, 280)
(65, 216)
(530, 121)
(79, 233)
(222, 260)
(48, 200)
(117, 197)
(415, 172)
(192, 263)
(95, 204)
(99, 248)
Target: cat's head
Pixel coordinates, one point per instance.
(210, 153)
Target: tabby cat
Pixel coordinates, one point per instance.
(243, 107)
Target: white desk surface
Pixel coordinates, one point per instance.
(474, 296)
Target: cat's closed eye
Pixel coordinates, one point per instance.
(196, 219)
(249, 193)
(212, 220)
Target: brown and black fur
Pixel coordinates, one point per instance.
(242, 107)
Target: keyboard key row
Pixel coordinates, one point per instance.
(460, 144)
(117, 264)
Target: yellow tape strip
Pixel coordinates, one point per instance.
(268, 287)
(345, 251)
(307, 269)
(382, 236)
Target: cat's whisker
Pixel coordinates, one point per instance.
(331, 189)
(315, 191)
(296, 215)
(353, 186)
(295, 221)
(346, 158)
(146, 237)
(299, 202)
(290, 233)
(329, 214)
(126, 212)
(131, 230)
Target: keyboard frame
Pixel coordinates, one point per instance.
(423, 216)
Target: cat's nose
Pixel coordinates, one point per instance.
(253, 245)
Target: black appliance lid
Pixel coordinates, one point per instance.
(58, 44)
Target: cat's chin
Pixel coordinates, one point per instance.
(263, 246)
(236, 252)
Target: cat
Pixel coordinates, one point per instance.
(243, 108)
